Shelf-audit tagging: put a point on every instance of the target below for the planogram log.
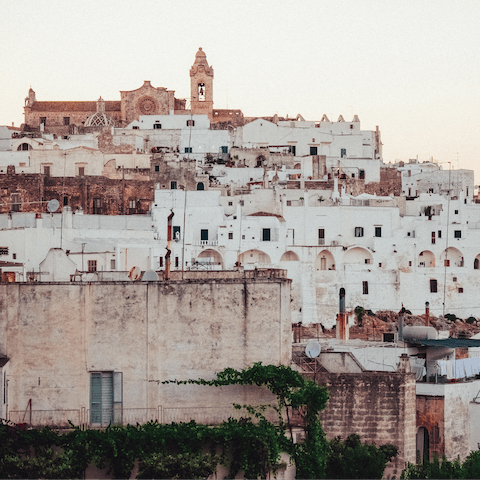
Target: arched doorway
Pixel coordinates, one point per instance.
(210, 260)
(423, 445)
(200, 186)
(325, 261)
(254, 257)
(289, 257)
(426, 259)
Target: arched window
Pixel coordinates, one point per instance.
(24, 146)
(423, 444)
(200, 186)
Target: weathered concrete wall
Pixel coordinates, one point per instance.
(378, 406)
(55, 334)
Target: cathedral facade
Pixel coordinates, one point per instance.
(71, 117)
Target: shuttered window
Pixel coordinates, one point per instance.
(106, 398)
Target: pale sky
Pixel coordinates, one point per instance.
(412, 67)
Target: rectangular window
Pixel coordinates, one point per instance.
(43, 120)
(433, 285)
(157, 168)
(66, 120)
(230, 204)
(365, 288)
(460, 289)
(190, 123)
(46, 170)
(230, 235)
(176, 233)
(456, 212)
(157, 125)
(225, 149)
(242, 203)
(313, 150)
(3, 250)
(112, 264)
(293, 150)
(378, 231)
(321, 236)
(160, 262)
(135, 127)
(361, 174)
(81, 171)
(188, 149)
(343, 152)
(92, 265)
(367, 261)
(439, 234)
(173, 185)
(15, 202)
(176, 262)
(359, 231)
(266, 234)
(106, 398)
(433, 238)
(457, 234)
(65, 200)
(446, 262)
(204, 235)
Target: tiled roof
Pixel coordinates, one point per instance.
(112, 106)
(266, 214)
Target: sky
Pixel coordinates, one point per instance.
(412, 68)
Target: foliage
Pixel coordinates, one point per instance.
(451, 317)
(471, 466)
(435, 469)
(359, 312)
(471, 320)
(353, 459)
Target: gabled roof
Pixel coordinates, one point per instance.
(111, 106)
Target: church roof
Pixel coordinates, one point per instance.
(111, 106)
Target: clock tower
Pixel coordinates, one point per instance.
(201, 86)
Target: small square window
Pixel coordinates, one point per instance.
(454, 279)
(460, 289)
(313, 150)
(379, 265)
(190, 123)
(242, 203)
(230, 235)
(367, 261)
(456, 212)
(173, 185)
(188, 149)
(359, 231)
(457, 234)
(446, 262)
(157, 125)
(230, 204)
(92, 265)
(135, 127)
(243, 237)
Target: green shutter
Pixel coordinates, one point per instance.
(96, 398)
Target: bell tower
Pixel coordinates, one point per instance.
(201, 86)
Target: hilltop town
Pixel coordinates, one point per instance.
(153, 238)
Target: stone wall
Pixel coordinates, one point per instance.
(56, 334)
(390, 182)
(378, 406)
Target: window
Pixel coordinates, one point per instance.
(439, 234)
(97, 206)
(66, 120)
(343, 152)
(157, 125)
(378, 231)
(204, 235)
(230, 235)
(23, 146)
(3, 250)
(173, 185)
(92, 265)
(188, 149)
(190, 123)
(157, 168)
(81, 171)
(266, 234)
(361, 174)
(446, 262)
(106, 397)
(454, 279)
(65, 200)
(176, 233)
(367, 261)
(359, 231)
(160, 262)
(200, 186)
(433, 238)
(15, 202)
(365, 288)
(242, 203)
(132, 206)
(230, 204)
(460, 289)
(243, 237)
(43, 120)
(409, 263)
(293, 150)
(46, 170)
(321, 236)
(14, 256)
(433, 285)
(176, 262)
(112, 264)
(224, 149)
(456, 212)
(135, 127)
(313, 150)
(457, 234)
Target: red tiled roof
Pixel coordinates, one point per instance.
(111, 106)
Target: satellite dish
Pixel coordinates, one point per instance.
(52, 205)
(313, 349)
(134, 274)
(150, 276)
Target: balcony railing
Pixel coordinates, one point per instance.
(212, 243)
(132, 416)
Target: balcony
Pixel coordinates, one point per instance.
(205, 243)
